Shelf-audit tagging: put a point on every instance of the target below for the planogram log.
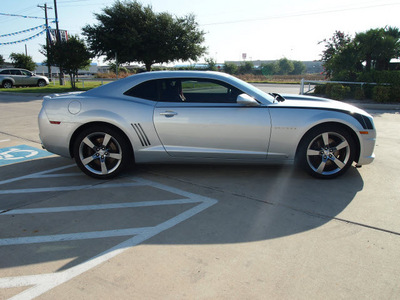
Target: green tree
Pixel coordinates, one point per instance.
(246, 68)
(135, 33)
(269, 69)
(2, 61)
(367, 44)
(299, 68)
(378, 46)
(211, 64)
(72, 55)
(230, 68)
(112, 67)
(344, 57)
(20, 60)
(333, 46)
(285, 66)
(389, 47)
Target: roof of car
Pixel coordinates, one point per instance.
(126, 83)
(13, 69)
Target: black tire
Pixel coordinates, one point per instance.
(102, 152)
(326, 152)
(7, 84)
(41, 83)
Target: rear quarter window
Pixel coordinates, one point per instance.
(146, 90)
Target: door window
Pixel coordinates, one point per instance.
(198, 91)
(190, 90)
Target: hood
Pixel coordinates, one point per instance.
(303, 101)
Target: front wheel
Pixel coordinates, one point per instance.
(41, 83)
(102, 152)
(326, 152)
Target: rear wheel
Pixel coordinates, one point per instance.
(326, 152)
(7, 84)
(102, 152)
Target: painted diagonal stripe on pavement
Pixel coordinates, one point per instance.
(62, 209)
(69, 188)
(72, 236)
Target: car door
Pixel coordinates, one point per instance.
(201, 118)
(17, 76)
(27, 78)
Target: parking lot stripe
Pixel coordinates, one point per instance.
(69, 188)
(45, 282)
(41, 283)
(35, 175)
(72, 236)
(98, 206)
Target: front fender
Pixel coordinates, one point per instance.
(290, 125)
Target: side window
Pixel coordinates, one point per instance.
(25, 73)
(15, 72)
(197, 90)
(146, 90)
(5, 72)
(171, 90)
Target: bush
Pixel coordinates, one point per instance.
(392, 77)
(382, 94)
(337, 91)
(395, 93)
(320, 89)
(230, 68)
(359, 93)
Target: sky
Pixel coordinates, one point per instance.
(261, 29)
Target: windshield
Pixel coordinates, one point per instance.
(252, 89)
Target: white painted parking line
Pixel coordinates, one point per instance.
(36, 175)
(69, 188)
(39, 284)
(72, 236)
(98, 207)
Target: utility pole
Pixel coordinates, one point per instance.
(58, 41)
(45, 7)
(57, 28)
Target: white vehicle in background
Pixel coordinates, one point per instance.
(19, 77)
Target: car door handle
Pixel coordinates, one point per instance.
(168, 113)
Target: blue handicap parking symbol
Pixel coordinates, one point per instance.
(20, 153)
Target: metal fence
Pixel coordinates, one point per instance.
(312, 83)
(83, 80)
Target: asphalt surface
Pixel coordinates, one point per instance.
(189, 231)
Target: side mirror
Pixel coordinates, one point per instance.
(246, 100)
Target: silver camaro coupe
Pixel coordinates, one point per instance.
(202, 117)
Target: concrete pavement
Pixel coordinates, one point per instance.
(234, 232)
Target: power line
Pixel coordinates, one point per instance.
(300, 14)
(22, 16)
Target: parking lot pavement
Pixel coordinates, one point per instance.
(85, 224)
(206, 232)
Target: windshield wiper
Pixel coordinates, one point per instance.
(277, 97)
